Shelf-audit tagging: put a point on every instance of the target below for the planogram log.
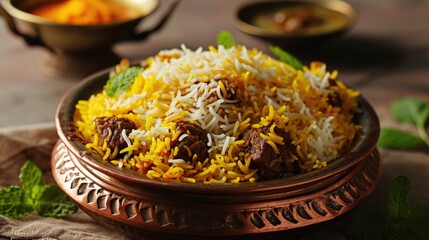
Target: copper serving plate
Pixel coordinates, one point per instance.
(143, 208)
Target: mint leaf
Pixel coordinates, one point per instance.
(369, 223)
(423, 116)
(398, 207)
(225, 39)
(12, 204)
(396, 139)
(52, 202)
(419, 221)
(286, 57)
(47, 200)
(396, 220)
(120, 82)
(410, 110)
(422, 121)
(31, 177)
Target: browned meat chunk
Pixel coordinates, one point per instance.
(270, 164)
(196, 140)
(110, 129)
(333, 98)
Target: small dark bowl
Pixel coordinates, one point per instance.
(245, 21)
(143, 208)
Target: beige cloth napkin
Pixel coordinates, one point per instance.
(35, 143)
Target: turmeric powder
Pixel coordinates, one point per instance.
(84, 12)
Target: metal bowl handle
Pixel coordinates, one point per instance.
(164, 17)
(29, 40)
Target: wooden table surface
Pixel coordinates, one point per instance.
(385, 56)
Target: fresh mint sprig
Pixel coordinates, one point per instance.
(400, 140)
(34, 195)
(225, 39)
(411, 111)
(396, 219)
(120, 82)
(286, 57)
(398, 205)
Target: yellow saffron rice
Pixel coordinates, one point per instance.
(193, 85)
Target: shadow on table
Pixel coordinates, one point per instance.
(369, 56)
(354, 53)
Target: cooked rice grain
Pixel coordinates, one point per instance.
(226, 92)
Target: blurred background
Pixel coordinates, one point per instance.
(384, 55)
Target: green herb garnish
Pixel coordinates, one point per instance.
(396, 219)
(52, 202)
(400, 140)
(34, 195)
(225, 39)
(286, 57)
(398, 205)
(120, 82)
(412, 111)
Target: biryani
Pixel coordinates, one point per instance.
(219, 116)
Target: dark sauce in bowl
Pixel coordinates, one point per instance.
(298, 24)
(301, 19)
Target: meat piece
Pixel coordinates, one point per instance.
(270, 164)
(335, 100)
(110, 129)
(192, 129)
(196, 140)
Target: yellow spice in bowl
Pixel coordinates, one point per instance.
(83, 12)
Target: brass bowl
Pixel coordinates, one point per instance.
(78, 49)
(140, 207)
(248, 20)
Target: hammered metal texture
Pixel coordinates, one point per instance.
(142, 218)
